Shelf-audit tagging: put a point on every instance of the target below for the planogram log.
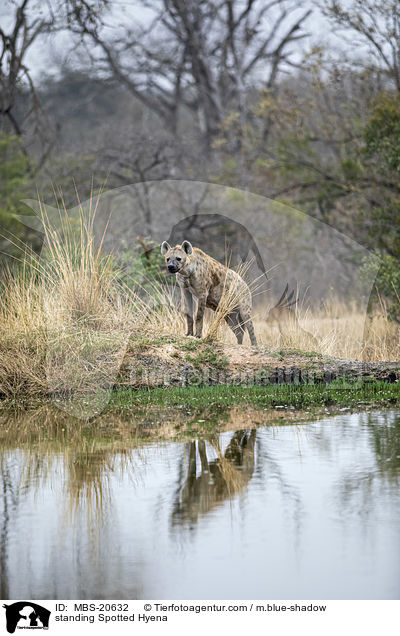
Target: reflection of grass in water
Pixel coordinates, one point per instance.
(88, 484)
(53, 443)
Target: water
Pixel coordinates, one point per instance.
(297, 511)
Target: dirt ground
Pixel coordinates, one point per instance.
(183, 361)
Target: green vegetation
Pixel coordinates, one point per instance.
(14, 179)
(338, 393)
(386, 295)
(207, 356)
(382, 132)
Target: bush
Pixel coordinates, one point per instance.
(387, 283)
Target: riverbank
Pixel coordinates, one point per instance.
(180, 361)
(165, 363)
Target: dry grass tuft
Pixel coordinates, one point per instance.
(232, 296)
(66, 318)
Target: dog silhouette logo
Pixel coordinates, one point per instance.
(26, 615)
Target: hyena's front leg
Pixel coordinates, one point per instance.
(201, 307)
(188, 310)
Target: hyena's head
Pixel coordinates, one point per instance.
(177, 258)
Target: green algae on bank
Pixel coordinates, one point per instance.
(138, 406)
(337, 393)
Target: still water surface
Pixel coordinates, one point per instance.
(307, 511)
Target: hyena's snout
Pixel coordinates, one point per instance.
(174, 264)
(173, 267)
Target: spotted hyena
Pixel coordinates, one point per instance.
(205, 278)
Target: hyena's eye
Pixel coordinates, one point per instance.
(178, 258)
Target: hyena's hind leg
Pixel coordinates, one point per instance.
(247, 323)
(233, 320)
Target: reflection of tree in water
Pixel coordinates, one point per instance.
(218, 479)
(9, 503)
(359, 490)
(272, 470)
(385, 441)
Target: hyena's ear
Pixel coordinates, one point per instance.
(187, 247)
(165, 247)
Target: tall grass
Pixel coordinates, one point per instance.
(336, 329)
(66, 317)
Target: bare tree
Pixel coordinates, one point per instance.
(28, 21)
(25, 23)
(376, 25)
(15, 43)
(141, 160)
(197, 55)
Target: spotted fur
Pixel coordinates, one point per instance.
(203, 277)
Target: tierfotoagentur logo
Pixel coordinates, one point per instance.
(26, 615)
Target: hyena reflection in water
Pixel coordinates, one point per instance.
(210, 483)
